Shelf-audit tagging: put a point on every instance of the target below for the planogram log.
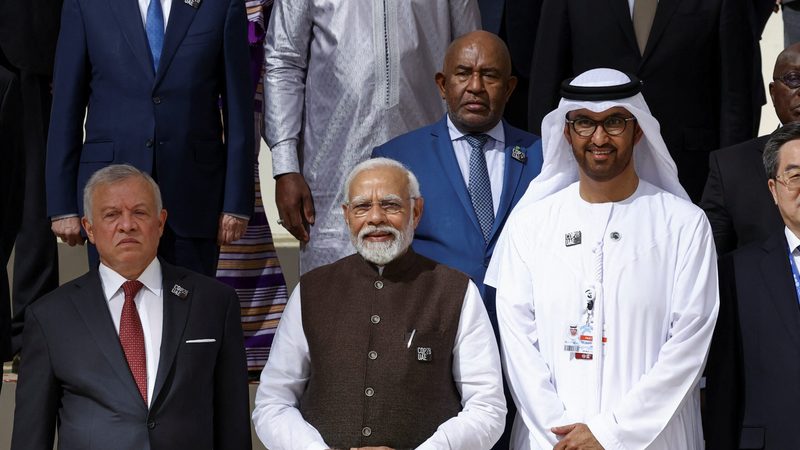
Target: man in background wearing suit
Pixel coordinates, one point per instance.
(473, 167)
(136, 354)
(754, 364)
(693, 56)
(736, 199)
(148, 77)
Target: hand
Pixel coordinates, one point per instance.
(231, 228)
(576, 436)
(777, 6)
(69, 230)
(372, 448)
(295, 204)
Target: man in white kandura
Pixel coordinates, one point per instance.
(387, 349)
(606, 250)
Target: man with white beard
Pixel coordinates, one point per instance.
(387, 348)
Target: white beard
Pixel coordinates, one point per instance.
(382, 253)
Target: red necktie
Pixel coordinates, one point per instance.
(131, 337)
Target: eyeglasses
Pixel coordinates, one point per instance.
(389, 207)
(790, 179)
(613, 125)
(790, 79)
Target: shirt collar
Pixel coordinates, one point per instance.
(497, 133)
(793, 240)
(151, 278)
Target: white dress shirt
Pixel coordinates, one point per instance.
(150, 305)
(794, 242)
(166, 6)
(494, 150)
(476, 373)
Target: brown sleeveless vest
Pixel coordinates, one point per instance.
(381, 350)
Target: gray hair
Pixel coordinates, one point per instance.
(114, 174)
(781, 136)
(377, 163)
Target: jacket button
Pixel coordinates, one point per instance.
(157, 100)
(151, 424)
(369, 392)
(148, 143)
(375, 319)
(372, 355)
(366, 431)
(379, 284)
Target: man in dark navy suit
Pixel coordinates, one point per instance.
(149, 78)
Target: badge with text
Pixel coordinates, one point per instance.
(424, 354)
(572, 238)
(179, 291)
(518, 154)
(579, 338)
(193, 3)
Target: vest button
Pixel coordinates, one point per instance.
(369, 392)
(375, 319)
(366, 431)
(151, 424)
(373, 354)
(379, 284)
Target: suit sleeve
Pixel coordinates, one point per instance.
(237, 107)
(735, 74)
(551, 64)
(725, 370)
(713, 203)
(38, 391)
(231, 391)
(70, 98)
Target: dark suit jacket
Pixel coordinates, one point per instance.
(166, 123)
(12, 171)
(736, 199)
(28, 31)
(752, 392)
(449, 232)
(696, 68)
(516, 22)
(73, 369)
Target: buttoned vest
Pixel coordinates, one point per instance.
(381, 350)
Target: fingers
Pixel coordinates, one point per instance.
(68, 230)
(564, 429)
(231, 229)
(295, 204)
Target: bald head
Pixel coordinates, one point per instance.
(476, 81)
(785, 99)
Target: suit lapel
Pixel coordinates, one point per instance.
(664, 12)
(176, 312)
(511, 175)
(622, 12)
(129, 18)
(91, 304)
(443, 148)
(777, 273)
(180, 17)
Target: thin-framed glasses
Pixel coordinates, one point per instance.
(388, 206)
(613, 125)
(790, 179)
(790, 79)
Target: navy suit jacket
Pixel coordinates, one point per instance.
(449, 231)
(73, 369)
(752, 391)
(167, 123)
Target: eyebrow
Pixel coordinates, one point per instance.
(365, 199)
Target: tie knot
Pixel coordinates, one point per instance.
(131, 288)
(477, 140)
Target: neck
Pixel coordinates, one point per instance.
(604, 191)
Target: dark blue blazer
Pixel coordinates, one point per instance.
(167, 123)
(448, 231)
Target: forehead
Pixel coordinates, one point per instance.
(127, 192)
(476, 51)
(789, 155)
(600, 115)
(788, 62)
(379, 182)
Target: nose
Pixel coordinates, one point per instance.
(376, 215)
(475, 83)
(126, 222)
(599, 137)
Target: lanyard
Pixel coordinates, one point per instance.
(795, 275)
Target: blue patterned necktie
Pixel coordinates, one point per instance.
(480, 189)
(154, 27)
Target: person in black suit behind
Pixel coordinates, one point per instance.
(752, 393)
(695, 61)
(11, 185)
(736, 199)
(136, 354)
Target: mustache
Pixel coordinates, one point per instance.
(369, 229)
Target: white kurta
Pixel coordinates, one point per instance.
(343, 77)
(650, 263)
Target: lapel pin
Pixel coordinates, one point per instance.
(179, 291)
(573, 238)
(193, 3)
(518, 154)
(424, 354)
